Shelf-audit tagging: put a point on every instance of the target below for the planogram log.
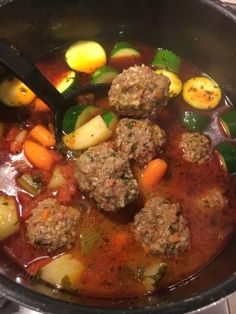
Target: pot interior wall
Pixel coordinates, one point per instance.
(190, 28)
(193, 30)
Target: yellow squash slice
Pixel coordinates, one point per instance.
(202, 93)
(175, 82)
(85, 56)
(14, 93)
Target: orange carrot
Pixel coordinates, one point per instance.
(174, 238)
(153, 173)
(40, 106)
(38, 155)
(64, 195)
(11, 135)
(42, 135)
(120, 240)
(17, 144)
(45, 214)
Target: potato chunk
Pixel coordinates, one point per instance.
(90, 134)
(57, 180)
(9, 223)
(62, 272)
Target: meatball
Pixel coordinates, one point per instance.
(139, 92)
(106, 177)
(161, 228)
(52, 226)
(140, 140)
(213, 200)
(196, 147)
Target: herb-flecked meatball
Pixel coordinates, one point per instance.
(196, 147)
(213, 199)
(161, 228)
(105, 175)
(140, 140)
(139, 92)
(52, 226)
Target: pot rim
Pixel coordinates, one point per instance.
(27, 297)
(40, 302)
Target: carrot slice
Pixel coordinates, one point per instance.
(38, 155)
(64, 195)
(42, 135)
(45, 214)
(121, 240)
(11, 135)
(153, 173)
(40, 106)
(17, 144)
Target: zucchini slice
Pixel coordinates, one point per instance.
(87, 114)
(111, 120)
(166, 59)
(68, 84)
(78, 115)
(153, 274)
(194, 121)
(9, 222)
(14, 93)
(28, 183)
(91, 133)
(85, 56)
(227, 155)
(175, 82)
(105, 74)
(70, 117)
(124, 50)
(228, 122)
(202, 93)
(63, 272)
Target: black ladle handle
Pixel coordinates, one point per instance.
(25, 71)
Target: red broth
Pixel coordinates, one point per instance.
(112, 270)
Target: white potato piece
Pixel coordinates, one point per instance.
(62, 272)
(90, 134)
(57, 180)
(9, 222)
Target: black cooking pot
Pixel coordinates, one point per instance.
(203, 32)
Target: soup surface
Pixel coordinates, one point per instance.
(144, 206)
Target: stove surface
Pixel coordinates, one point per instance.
(223, 306)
